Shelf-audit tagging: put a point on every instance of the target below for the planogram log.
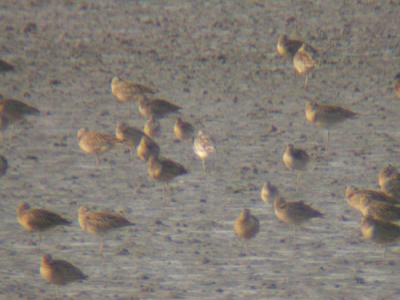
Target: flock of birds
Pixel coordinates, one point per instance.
(379, 208)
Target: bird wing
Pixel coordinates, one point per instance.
(42, 218)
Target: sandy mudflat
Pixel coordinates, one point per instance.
(217, 60)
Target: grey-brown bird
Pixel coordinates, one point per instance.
(164, 170)
(183, 130)
(100, 222)
(124, 90)
(287, 47)
(146, 148)
(152, 127)
(128, 135)
(246, 226)
(305, 60)
(3, 166)
(397, 85)
(389, 181)
(379, 231)
(38, 219)
(59, 272)
(203, 146)
(269, 192)
(157, 108)
(326, 116)
(294, 213)
(356, 197)
(15, 110)
(93, 142)
(295, 159)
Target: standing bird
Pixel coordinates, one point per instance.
(287, 47)
(156, 108)
(164, 170)
(355, 197)
(295, 159)
(15, 110)
(246, 225)
(152, 127)
(183, 130)
(100, 222)
(379, 231)
(59, 272)
(294, 213)
(397, 85)
(38, 219)
(130, 136)
(92, 142)
(269, 192)
(3, 166)
(203, 147)
(389, 181)
(326, 116)
(124, 90)
(146, 148)
(304, 61)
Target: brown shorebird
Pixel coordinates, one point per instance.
(157, 108)
(100, 222)
(59, 272)
(326, 116)
(130, 136)
(152, 127)
(389, 181)
(304, 61)
(287, 47)
(183, 130)
(124, 90)
(146, 148)
(92, 142)
(3, 166)
(379, 231)
(203, 147)
(246, 225)
(356, 196)
(397, 85)
(269, 192)
(295, 159)
(294, 213)
(164, 170)
(5, 66)
(15, 110)
(38, 219)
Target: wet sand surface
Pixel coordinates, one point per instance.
(217, 60)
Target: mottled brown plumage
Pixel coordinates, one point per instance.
(304, 61)
(287, 47)
(146, 148)
(152, 127)
(246, 226)
(100, 222)
(92, 142)
(389, 181)
(15, 110)
(356, 197)
(294, 213)
(269, 192)
(59, 272)
(124, 90)
(157, 108)
(326, 116)
(164, 170)
(295, 158)
(379, 231)
(183, 130)
(203, 146)
(38, 219)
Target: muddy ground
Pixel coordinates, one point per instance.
(217, 60)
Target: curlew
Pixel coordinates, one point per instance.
(92, 142)
(183, 130)
(156, 108)
(295, 159)
(59, 272)
(269, 192)
(304, 61)
(294, 213)
(164, 170)
(379, 231)
(203, 147)
(287, 47)
(100, 222)
(124, 90)
(246, 226)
